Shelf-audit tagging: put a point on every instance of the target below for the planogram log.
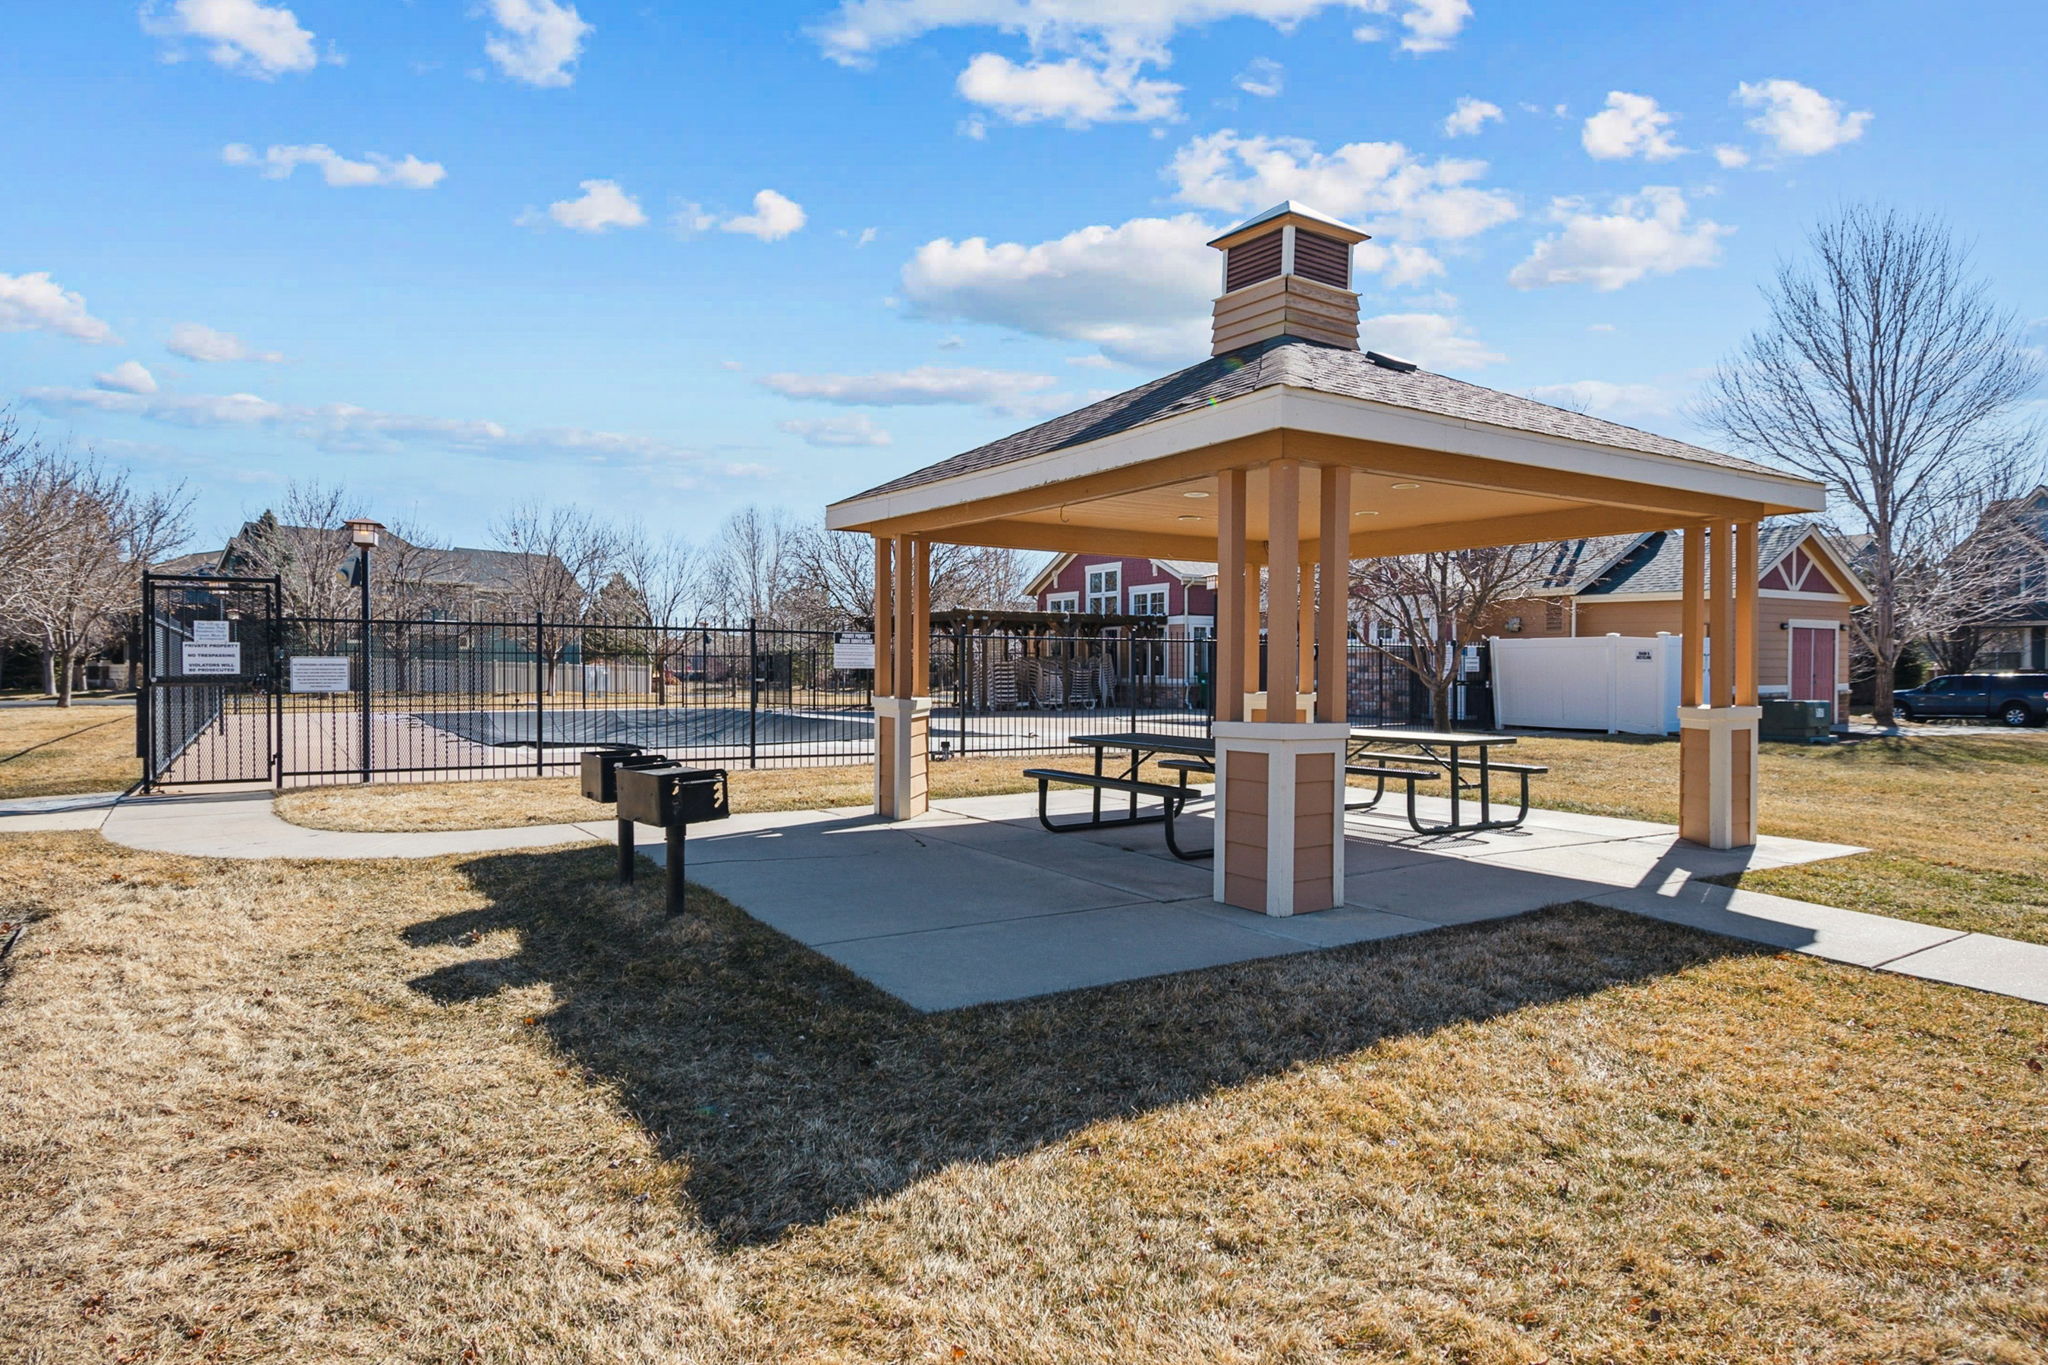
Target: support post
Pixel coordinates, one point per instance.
(678, 832)
(1227, 677)
(885, 611)
(1333, 680)
(902, 720)
(1254, 674)
(1717, 752)
(1283, 590)
(1692, 581)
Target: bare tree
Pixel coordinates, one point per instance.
(749, 570)
(665, 575)
(1441, 601)
(833, 576)
(565, 555)
(1886, 372)
(86, 583)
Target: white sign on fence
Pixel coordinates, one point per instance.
(210, 632)
(853, 649)
(217, 659)
(320, 673)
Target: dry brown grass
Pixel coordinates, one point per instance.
(1955, 821)
(56, 751)
(501, 1110)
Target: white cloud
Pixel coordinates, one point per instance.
(859, 29)
(867, 237)
(1470, 116)
(1074, 91)
(36, 303)
(1139, 290)
(346, 428)
(1730, 158)
(1381, 185)
(130, 376)
(1605, 399)
(535, 41)
(1644, 234)
(1264, 77)
(1431, 340)
(1799, 120)
(1630, 125)
(1431, 24)
(196, 341)
(775, 216)
(246, 36)
(1001, 390)
(856, 430)
(601, 207)
(278, 162)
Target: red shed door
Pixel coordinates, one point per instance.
(1813, 664)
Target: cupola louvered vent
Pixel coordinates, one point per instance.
(1320, 258)
(1250, 262)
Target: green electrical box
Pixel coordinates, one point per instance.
(1797, 722)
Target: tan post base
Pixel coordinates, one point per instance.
(1255, 705)
(1717, 775)
(902, 788)
(1279, 816)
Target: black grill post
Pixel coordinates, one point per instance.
(677, 831)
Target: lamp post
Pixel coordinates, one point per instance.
(363, 534)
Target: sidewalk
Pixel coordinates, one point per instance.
(1402, 885)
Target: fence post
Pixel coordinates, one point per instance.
(753, 693)
(962, 661)
(540, 705)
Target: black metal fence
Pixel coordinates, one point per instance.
(324, 701)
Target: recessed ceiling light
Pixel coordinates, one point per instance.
(1404, 487)
(1195, 495)
(1188, 516)
(1367, 512)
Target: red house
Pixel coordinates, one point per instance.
(1107, 585)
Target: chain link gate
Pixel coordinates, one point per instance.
(212, 659)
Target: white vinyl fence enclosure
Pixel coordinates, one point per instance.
(1617, 683)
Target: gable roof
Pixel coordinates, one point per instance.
(1655, 563)
(1291, 362)
(1186, 570)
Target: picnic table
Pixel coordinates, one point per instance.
(1368, 752)
(1188, 753)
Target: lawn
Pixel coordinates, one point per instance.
(56, 751)
(498, 1109)
(1955, 822)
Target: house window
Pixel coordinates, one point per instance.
(1148, 601)
(1062, 601)
(1105, 587)
(1553, 616)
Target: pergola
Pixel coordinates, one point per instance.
(1286, 455)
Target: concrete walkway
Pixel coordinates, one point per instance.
(974, 902)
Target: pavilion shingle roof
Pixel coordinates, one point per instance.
(1314, 366)
(1657, 564)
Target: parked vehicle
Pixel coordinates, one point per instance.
(2009, 698)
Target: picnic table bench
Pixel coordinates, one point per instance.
(1190, 753)
(1445, 752)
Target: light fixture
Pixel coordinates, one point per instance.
(1196, 494)
(1365, 512)
(362, 531)
(1404, 487)
(1189, 516)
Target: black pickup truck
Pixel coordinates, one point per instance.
(2009, 698)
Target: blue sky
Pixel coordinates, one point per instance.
(663, 260)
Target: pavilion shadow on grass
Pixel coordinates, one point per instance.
(1284, 456)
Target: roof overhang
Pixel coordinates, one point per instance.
(1422, 481)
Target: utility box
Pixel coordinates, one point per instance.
(672, 796)
(1796, 722)
(601, 766)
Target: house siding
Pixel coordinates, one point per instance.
(1182, 599)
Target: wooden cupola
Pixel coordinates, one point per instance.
(1286, 272)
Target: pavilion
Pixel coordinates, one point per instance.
(1284, 456)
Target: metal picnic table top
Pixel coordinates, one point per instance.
(1149, 741)
(1433, 739)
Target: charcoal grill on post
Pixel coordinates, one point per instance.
(673, 797)
(600, 783)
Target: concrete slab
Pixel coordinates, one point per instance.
(916, 886)
(1462, 891)
(1015, 959)
(1818, 930)
(1324, 929)
(1986, 963)
(88, 818)
(242, 825)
